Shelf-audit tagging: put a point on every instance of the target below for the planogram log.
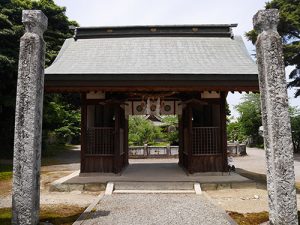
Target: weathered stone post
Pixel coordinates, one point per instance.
(276, 121)
(28, 120)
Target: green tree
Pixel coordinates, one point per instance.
(250, 118)
(295, 124)
(62, 120)
(247, 125)
(289, 29)
(235, 132)
(11, 29)
(142, 131)
(171, 133)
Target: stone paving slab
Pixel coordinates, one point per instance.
(152, 209)
(151, 172)
(146, 171)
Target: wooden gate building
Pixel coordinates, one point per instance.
(182, 70)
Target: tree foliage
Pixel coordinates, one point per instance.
(289, 29)
(235, 132)
(61, 120)
(171, 133)
(142, 131)
(247, 125)
(250, 116)
(295, 124)
(11, 30)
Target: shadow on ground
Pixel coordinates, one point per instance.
(297, 157)
(57, 156)
(93, 215)
(260, 179)
(64, 157)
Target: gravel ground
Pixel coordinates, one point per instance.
(162, 209)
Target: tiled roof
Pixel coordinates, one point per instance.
(154, 55)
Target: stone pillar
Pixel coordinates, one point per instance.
(28, 120)
(168, 150)
(276, 121)
(146, 150)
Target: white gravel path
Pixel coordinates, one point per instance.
(162, 209)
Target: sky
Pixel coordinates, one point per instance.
(168, 12)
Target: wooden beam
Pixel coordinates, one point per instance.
(67, 89)
(197, 101)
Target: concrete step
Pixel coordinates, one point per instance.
(154, 192)
(179, 186)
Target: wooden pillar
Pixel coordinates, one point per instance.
(125, 157)
(116, 160)
(190, 137)
(180, 152)
(223, 131)
(83, 131)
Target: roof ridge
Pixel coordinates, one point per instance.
(205, 30)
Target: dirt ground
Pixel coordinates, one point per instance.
(242, 200)
(236, 200)
(249, 200)
(255, 161)
(65, 164)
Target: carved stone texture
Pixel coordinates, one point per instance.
(28, 120)
(276, 120)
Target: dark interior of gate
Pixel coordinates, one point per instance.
(183, 70)
(202, 133)
(104, 137)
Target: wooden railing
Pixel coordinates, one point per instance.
(100, 141)
(206, 141)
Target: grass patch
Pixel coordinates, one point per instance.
(249, 218)
(252, 218)
(298, 187)
(5, 172)
(56, 214)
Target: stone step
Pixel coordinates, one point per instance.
(154, 192)
(180, 186)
